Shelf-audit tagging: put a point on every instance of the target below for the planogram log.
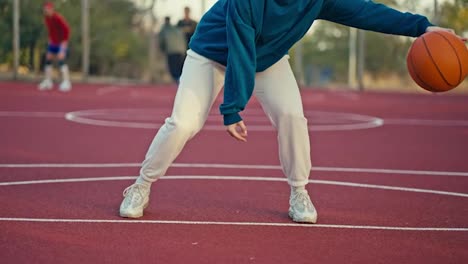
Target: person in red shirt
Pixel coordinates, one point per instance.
(59, 34)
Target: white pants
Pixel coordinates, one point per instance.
(201, 81)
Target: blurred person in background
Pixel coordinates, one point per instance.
(57, 48)
(187, 24)
(172, 43)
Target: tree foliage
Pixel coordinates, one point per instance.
(118, 44)
(327, 46)
(119, 38)
(455, 15)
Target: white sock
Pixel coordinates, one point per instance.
(297, 189)
(48, 72)
(65, 73)
(142, 181)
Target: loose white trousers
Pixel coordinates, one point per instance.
(201, 81)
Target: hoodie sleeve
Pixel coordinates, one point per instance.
(241, 60)
(365, 14)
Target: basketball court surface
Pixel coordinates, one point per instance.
(389, 180)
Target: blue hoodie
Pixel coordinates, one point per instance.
(249, 36)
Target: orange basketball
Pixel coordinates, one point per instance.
(438, 61)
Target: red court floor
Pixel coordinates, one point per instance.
(390, 181)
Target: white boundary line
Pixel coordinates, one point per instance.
(175, 222)
(71, 165)
(90, 117)
(386, 121)
(426, 122)
(238, 166)
(32, 114)
(237, 178)
(241, 178)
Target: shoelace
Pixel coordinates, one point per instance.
(129, 188)
(302, 197)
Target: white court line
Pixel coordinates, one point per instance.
(84, 113)
(175, 222)
(238, 178)
(92, 117)
(72, 165)
(237, 166)
(426, 122)
(31, 114)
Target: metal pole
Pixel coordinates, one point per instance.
(436, 12)
(152, 51)
(16, 37)
(85, 39)
(352, 68)
(361, 62)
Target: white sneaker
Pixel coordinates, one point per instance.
(135, 201)
(301, 209)
(46, 84)
(65, 86)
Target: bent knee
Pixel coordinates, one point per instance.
(50, 56)
(287, 115)
(185, 126)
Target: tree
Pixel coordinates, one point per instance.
(327, 47)
(118, 45)
(31, 30)
(454, 15)
(6, 29)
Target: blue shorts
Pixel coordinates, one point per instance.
(54, 49)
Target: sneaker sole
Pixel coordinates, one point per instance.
(124, 215)
(304, 220)
(127, 215)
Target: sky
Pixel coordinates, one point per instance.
(175, 8)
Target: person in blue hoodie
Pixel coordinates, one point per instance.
(243, 46)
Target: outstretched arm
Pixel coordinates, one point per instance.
(365, 14)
